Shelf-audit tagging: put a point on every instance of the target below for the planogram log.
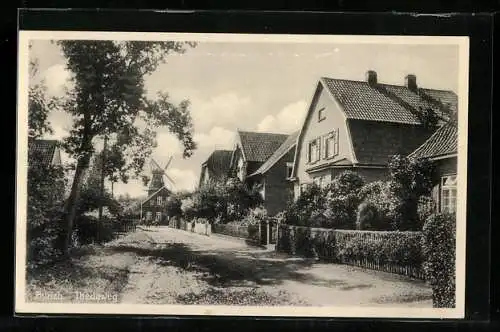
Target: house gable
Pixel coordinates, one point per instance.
(325, 115)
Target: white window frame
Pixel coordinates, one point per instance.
(149, 215)
(331, 137)
(450, 203)
(321, 114)
(158, 216)
(159, 200)
(317, 157)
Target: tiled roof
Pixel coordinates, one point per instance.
(260, 146)
(41, 151)
(288, 144)
(442, 142)
(384, 102)
(375, 142)
(218, 163)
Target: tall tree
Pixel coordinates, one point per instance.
(108, 99)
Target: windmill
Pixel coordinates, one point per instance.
(158, 176)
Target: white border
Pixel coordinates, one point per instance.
(370, 312)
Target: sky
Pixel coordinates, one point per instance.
(253, 86)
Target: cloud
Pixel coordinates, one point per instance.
(168, 145)
(223, 109)
(217, 138)
(287, 120)
(183, 179)
(56, 79)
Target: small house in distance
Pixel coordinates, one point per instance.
(441, 148)
(216, 168)
(153, 207)
(359, 125)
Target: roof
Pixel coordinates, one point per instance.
(374, 142)
(155, 193)
(442, 143)
(42, 151)
(384, 102)
(260, 146)
(282, 150)
(218, 162)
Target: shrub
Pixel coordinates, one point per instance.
(426, 207)
(367, 216)
(397, 248)
(438, 245)
(342, 200)
(90, 230)
(173, 206)
(188, 208)
(299, 212)
(410, 179)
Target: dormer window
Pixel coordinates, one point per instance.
(159, 200)
(321, 114)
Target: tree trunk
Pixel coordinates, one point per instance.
(103, 162)
(72, 201)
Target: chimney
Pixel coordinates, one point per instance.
(411, 82)
(371, 77)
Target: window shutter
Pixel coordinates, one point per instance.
(318, 151)
(336, 142)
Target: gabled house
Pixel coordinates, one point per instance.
(44, 152)
(251, 150)
(216, 167)
(272, 176)
(359, 125)
(441, 148)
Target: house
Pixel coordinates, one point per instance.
(441, 148)
(44, 152)
(153, 207)
(216, 167)
(251, 150)
(272, 176)
(264, 160)
(358, 125)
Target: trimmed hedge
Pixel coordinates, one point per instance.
(398, 252)
(438, 245)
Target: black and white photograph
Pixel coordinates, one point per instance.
(241, 174)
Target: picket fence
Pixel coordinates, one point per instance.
(198, 227)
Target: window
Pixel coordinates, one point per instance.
(148, 215)
(314, 150)
(159, 200)
(289, 169)
(321, 114)
(331, 144)
(449, 194)
(158, 216)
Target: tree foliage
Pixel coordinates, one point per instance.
(39, 104)
(45, 195)
(109, 100)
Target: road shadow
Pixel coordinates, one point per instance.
(237, 267)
